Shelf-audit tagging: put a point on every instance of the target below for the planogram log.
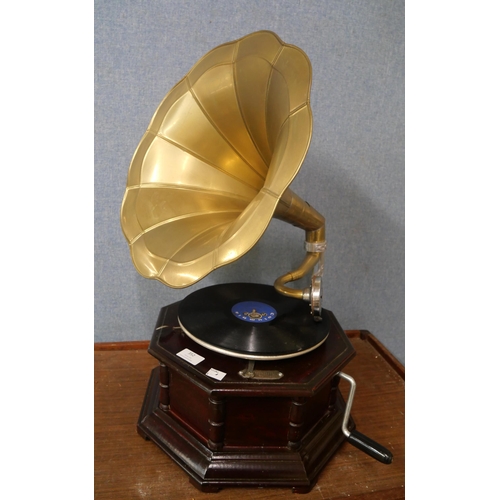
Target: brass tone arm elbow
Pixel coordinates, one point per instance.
(307, 265)
(294, 210)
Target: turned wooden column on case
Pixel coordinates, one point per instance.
(164, 398)
(296, 422)
(216, 421)
(333, 393)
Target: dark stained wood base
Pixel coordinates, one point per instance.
(237, 432)
(210, 470)
(127, 468)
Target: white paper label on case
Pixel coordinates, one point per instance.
(190, 356)
(216, 374)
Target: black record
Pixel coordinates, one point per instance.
(251, 321)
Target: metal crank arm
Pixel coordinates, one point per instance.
(360, 441)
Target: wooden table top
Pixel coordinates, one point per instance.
(128, 467)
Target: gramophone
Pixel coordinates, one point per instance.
(246, 391)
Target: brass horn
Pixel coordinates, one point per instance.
(215, 164)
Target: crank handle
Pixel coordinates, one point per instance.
(360, 441)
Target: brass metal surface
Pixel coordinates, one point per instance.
(216, 161)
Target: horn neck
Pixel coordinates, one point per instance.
(294, 210)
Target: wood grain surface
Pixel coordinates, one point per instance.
(128, 467)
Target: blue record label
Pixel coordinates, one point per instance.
(254, 312)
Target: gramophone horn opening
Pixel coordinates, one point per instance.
(216, 161)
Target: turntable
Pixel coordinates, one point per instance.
(246, 391)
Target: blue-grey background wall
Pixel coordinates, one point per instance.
(353, 173)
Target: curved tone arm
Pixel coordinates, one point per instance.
(294, 210)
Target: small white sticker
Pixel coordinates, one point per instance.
(215, 374)
(190, 356)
